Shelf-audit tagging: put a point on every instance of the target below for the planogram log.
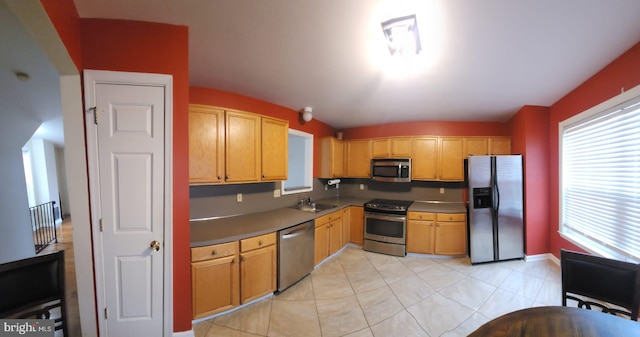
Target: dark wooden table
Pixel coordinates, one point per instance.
(558, 322)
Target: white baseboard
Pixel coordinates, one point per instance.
(540, 257)
(184, 334)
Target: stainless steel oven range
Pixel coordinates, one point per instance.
(385, 226)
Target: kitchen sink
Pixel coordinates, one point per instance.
(314, 207)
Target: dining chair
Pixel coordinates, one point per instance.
(34, 288)
(600, 279)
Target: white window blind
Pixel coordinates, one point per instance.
(601, 181)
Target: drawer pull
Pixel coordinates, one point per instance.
(214, 253)
(243, 259)
(260, 243)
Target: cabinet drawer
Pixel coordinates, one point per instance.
(328, 218)
(214, 251)
(257, 242)
(451, 217)
(420, 216)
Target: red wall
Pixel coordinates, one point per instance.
(155, 48)
(423, 128)
(529, 137)
(624, 72)
(65, 18)
(198, 95)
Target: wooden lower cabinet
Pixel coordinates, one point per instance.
(356, 234)
(437, 233)
(258, 267)
(226, 275)
(328, 236)
(214, 279)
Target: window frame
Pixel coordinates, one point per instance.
(570, 235)
(308, 163)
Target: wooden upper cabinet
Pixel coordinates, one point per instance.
(275, 135)
(206, 144)
(359, 158)
(477, 146)
(380, 148)
(423, 159)
(391, 147)
(243, 151)
(401, 147)
(500, 145)
(450, 161)
(331, 158)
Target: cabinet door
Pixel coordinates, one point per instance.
(400, 147)
(258, 272)
(206, 145)
(359, 158)
(451, 238)
(380, 148)
(451, 164)
(346, 225)
(356, 234)
(424, 158)
(477, 146)
(242, 147)
(214, 286)
(275, 136)
(331, 154)
(499, 145)
(321, 249)
(420, 236)
(335, 236)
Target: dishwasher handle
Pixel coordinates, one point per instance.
(293, 234)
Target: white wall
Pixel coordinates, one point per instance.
(45, 171)
(61, 168)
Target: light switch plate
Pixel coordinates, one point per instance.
(362, 186)
(441, 190)
(276, 193)
(239, 197)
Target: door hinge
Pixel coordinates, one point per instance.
(95, 114)
(106, 313)
(101, 225)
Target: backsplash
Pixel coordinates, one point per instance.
(220, 200)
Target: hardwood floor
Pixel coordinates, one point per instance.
(65, 242)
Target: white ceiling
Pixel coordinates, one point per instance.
(481, 60)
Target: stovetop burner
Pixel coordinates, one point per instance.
(387, 205)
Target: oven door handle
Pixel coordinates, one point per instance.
(380, 216)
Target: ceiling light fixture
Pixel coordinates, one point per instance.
(307, 115)
(402, 35)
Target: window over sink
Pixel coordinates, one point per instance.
(300, 166)
(600, 178)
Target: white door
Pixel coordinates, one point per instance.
(130, 176)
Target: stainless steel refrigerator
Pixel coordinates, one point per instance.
(496, 222)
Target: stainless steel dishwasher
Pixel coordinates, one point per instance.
(295, 254)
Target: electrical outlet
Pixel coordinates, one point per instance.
(276, 193)
(362, 186)
(441, 190)
(239, 197)
(326, 187)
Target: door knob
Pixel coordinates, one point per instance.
(155, 245)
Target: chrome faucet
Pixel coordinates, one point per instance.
(305, 201)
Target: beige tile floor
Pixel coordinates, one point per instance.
(358, 293)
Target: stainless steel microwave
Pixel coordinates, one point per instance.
(391, 169)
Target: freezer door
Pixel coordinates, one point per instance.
(509, 207)
(481, 247)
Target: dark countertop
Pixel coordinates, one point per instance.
(226, 229)
(438, 207)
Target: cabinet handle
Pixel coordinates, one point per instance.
(233, 261)
(450, 218)
(242, 259)
(219, 177)
(226, 177)
(214, 253)
(263, 176)
(260, 243)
